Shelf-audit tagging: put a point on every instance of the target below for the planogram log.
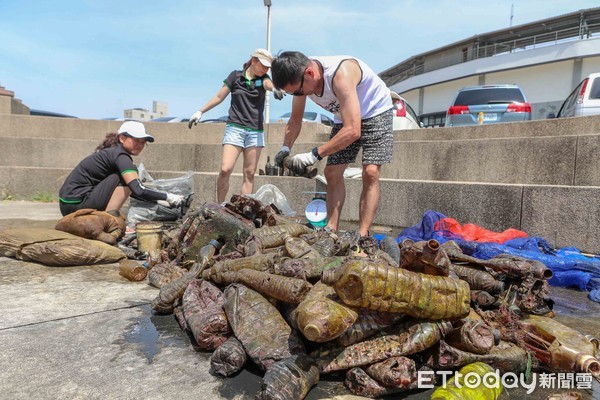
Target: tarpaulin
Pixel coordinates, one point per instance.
(570, 267)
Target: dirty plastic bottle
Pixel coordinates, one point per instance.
(457, 388)
(269, 167)
(559, 347)
(378, 286)
(296, 247)
(206, 254)
(478, 279)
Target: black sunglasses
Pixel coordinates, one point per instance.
(300, 92)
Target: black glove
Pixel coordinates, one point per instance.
(284, 151)
(278, 94)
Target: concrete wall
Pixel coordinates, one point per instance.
(539, 176)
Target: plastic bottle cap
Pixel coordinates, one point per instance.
(215, 243)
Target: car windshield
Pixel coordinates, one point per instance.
(489, 96)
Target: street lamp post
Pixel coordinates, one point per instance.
(268, 5)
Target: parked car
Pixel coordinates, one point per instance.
(43, 113)
(309, 116)
(584, 100)
(404, 115)
(488, 104)
(170, 119)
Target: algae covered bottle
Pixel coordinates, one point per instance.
(470, 383)
(378, 286)
(296, 247)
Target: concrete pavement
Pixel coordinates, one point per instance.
(88, 333)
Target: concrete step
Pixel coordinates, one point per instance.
(26, 126)
(543, 160)
(564, 215)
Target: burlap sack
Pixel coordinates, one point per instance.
(55, 248)
(93, 224)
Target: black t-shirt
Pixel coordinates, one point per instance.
(247, 100)
(94, 169)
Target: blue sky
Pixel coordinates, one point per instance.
(92, 59)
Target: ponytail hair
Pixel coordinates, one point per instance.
(247, 64)
(110, 140)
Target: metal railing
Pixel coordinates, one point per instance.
(476, 51)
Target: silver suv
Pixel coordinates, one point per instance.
(488, 104)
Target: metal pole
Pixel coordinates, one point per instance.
(267, 98)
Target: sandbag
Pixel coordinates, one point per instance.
(55, 248)
(93, 224)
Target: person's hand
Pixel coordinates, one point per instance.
(278, 94)
(174, 200)
(194, 119)
(299, 162)
(284, 151)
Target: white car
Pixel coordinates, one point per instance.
(404, 116)
(309, 116)
(584, 100)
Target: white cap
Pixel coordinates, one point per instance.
(395, 95)
(135, 129)
(263, 56)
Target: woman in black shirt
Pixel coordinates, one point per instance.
(105, 179)
(244, 130)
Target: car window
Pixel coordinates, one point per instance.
(566, 109)
(310, 115)
(326, 120)
(489, 96)
(286, 115)
(595, 90)
(412, 112)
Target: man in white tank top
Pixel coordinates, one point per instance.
(362, 108)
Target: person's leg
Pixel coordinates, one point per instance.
(118, 198)
(336, 194)
(334, 174)
(369, 198)
(228, 160)
(108, 195)
(377, 142)
(251, 156)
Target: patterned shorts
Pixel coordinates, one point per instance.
(376, 140)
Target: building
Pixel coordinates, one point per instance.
(546, 58)
(159, 109)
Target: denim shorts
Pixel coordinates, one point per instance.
(376, 140)
(243, 137)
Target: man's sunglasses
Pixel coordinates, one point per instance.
(300, 92)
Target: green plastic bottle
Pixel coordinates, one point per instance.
(458, 389)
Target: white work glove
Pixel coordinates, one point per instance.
(299, 162)
(283, 152)
(278, 94)
(194, 119)
(173, 200)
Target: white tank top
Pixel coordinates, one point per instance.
(373, 95)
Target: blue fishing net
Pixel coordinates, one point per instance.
(570, 267)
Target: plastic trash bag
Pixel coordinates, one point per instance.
(270, 194)
(140, 210)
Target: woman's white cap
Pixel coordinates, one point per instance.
(263, 56)
(135, 129)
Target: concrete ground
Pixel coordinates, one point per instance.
(88, 333)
